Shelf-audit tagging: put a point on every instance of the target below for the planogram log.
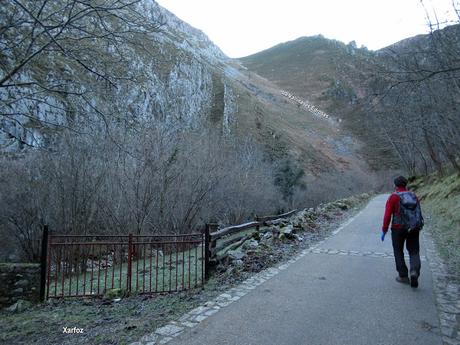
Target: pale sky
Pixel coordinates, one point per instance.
(244, 27)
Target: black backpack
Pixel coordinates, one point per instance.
(410, 214)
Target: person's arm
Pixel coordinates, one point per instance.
(389, 209)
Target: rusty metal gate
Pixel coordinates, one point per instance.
(90, 265)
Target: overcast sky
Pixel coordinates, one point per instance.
(244, 27)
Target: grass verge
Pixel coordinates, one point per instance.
(440, 200)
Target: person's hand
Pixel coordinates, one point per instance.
(383, 236)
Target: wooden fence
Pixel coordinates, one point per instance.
(218, 239)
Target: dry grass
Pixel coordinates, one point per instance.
(286, 128)
(441, 205)
(331, 75)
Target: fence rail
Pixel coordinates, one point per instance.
(215, 235)
(233, 229)
(269, 218)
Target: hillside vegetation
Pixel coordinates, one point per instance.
(333, 76)
(440, 198)
(401, 101)
(139, 123)
(123, 118)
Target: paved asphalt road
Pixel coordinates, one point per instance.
(331, 299)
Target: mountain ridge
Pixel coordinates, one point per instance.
(339, 79)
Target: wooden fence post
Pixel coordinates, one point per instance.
(43, 263)
(130, 258)
(212, 242)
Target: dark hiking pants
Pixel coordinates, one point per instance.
(398, 237)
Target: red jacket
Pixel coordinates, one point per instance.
(391, 210)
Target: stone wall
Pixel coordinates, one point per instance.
(19, 281)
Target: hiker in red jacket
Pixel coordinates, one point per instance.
(403, 210)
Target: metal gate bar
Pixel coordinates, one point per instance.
(90, 265)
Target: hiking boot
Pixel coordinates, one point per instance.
(414, 280)
(403, 280)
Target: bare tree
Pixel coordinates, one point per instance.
(420, 98)
(52, 51)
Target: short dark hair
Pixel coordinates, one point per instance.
(400, 181)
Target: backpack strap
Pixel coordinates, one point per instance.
(396, 218)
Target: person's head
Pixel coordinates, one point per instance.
(400, 181)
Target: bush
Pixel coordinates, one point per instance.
(158, 180)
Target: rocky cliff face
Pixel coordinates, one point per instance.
(175, 76)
